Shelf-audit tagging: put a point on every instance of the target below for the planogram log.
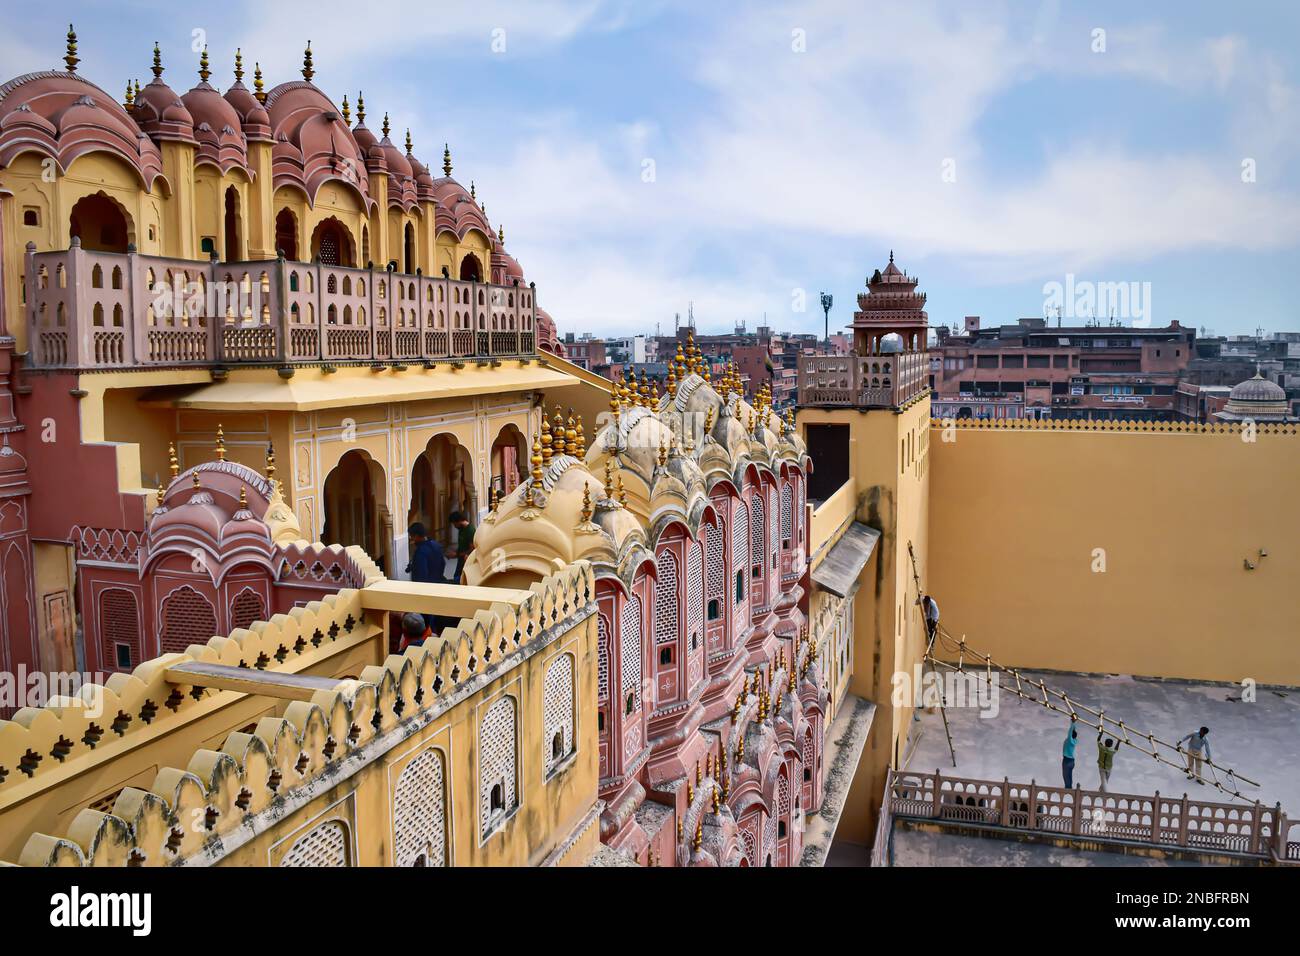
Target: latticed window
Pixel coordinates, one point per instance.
(497, 764)
(774, 544)
(325, 845)
(787, 515)
(782, 804)
(694, 593)
(757, 542)
(666, 598)
(602, 659)
(247, 607)
(630, 652)
(420, 813)
(119, 628)
(557, 712)
(715, 569)
(740, 547)
(188, 618)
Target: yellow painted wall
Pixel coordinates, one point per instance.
(1017, 515)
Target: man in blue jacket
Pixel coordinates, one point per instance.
(427, 561)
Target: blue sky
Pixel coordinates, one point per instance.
(793, 145)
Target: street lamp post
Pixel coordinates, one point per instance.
(827, 301)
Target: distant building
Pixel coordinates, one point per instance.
(1256, 400)
(1033, 370)
(585, 351)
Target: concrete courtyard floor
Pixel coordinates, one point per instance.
(1023, 741)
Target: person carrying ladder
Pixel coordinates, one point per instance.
(1196, 744)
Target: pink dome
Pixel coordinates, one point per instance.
(162, 115)
(323, 147)
(253, 118)
(218, 129)
(64, 116)
(457, 211)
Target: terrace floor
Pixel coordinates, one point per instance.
(1023, 741)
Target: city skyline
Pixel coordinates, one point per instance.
(995, 154)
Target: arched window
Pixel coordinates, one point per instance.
(694, 596)
(408, 249)
(740, 550)
(247, 607)
(286, 234)
(630, 653)
(787, 516)
(119, 628)
(557, 713)
(325, 845)
(419, 813)
(602, 659)
(756, 541)
(232, 225)
(666, 606)
(188, 618)
(498, 747)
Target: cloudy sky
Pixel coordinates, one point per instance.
(648, 154)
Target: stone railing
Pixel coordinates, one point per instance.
(1115, 425)
(257, 777)
(109, 310)
(889, 380)
(1151, 819)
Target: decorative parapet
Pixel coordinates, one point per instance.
(888, 380)
(255, 778)
(1085, 425)
(106, 310)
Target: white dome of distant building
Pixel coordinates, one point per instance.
(1257, 399)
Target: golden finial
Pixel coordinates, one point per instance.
(740, 749)
(699, 777)
(71, 59)
(172, 463)
(557, 431)
(663, 452)
(162, 492)
(570, 436)
(157, 62)
(129, 102)
(137, 89)
(204, 72)
(384, 127)
(307, 71)
(259, 93)
(446, 160)
(221, 443)
(672, 380)
(793, 671)
(582, 439)
(751, 420)
(740, 702)
(609, 478)
(347, 111)
(708, 420)
(586, 503)
(724, 776)
(473, 190)
(496, 499)
(690, 792)
(622, 492)
(546, 440)
(361, 109)
(270, 463)
(243, 496)
(239, 65)
(537, 460)
(699, 835)
(197, 484)
(717, 804)
(679, 829)
(408, 142)
(644, 390)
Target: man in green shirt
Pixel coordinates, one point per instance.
(464, 542)
(1105, 759)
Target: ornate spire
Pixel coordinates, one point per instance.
(473, 194)
(137, 89)
(385, 127)
(570, 436)
(408, 142)
(536, 459)
(582, 439)
(221, 443)
(557, 431)
(239, 65)
(586, 503)
(270, 463)
(129, 102)
(699, 835)
(347, 111)
(204, 72)
(546, 440)
(71, 58)
(157, 61)
(717, 805)
(672, 380)
(361, 109)
(501, 234)
(172, 464)
(496, 500)
(259, 93)
(622, 492)
(197, 483)
(609, 478)
(307, 71)
(243, 496)
(446, 160)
